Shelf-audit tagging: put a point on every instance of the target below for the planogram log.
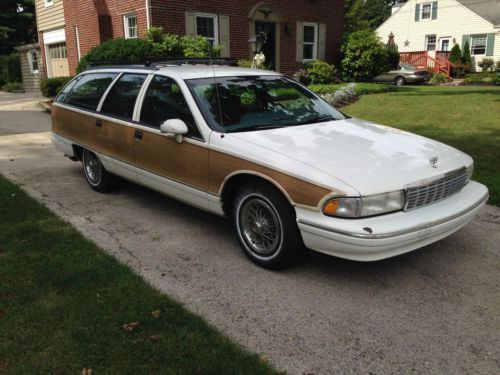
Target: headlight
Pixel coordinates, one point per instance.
(365, 206)
(470, 171)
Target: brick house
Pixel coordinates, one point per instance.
(298, 30)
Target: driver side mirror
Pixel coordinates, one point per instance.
(176, 127)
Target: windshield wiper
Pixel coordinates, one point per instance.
(316, 120)
(257, 127)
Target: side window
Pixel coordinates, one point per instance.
(120, 100)
(87, 92)
(164, 101)
(64, 92)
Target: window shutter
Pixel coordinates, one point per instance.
(300, 42)
(417, 12)
(190, 23)
(490, 44)
(224, 36)
(321, 41)
(434, 10)
(465, 39)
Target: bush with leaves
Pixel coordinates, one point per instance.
(455, 55)
(365, 56)
(393, 58)
(319, 71)
(466, 57)
(50, 87)
(486, 64)
(10, 68)
(13, 86)
(156, 44)
(437, 79)
(244, 63)
(117, 49)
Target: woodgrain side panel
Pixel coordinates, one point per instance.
(111, 139)
(74, 126)
(185, 162)
(299, 191)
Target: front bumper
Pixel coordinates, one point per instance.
(389, 235)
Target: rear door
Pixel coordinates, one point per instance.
(115, 131)
(180, 170)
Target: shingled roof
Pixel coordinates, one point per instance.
(488, 9)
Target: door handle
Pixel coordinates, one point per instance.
(98, 123)
(138, 135)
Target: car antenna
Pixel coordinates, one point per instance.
(216, 86)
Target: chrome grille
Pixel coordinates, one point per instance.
(437, 190)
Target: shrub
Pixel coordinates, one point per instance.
(245, 63)
(496, 80)
(486, 64)
(455, 54)
(393, 58)
(319, 71)
(156, 44)
(437, 79)
(466, 57)
(498, 65)
(365, 56)
(13, 86)
(342, 96)
(10, 68)
(302, 76)
(50, 87)
(117, 49)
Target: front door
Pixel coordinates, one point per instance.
(179, 170)
(269, 48)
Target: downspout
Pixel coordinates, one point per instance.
(148, 21)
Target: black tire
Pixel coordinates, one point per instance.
(285, 245)
(400, 81)
(96, 175)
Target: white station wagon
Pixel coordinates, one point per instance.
(291, 171)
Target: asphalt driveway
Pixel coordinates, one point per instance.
(433, 311)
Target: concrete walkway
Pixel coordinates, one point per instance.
(433, 311)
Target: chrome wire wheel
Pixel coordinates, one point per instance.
(260, 226)
(92, 167)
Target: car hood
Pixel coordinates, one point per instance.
(370, 158)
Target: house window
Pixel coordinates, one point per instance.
(430, 42)
(130, 24)
(426, 12)
(478, 44)
(310, 41)
(33, 61)
(57, 51)
(207, 26)
(48, 3)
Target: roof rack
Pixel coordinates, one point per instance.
(155, 63)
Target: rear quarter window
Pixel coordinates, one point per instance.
(87, 90)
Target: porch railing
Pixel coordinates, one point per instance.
(422, 59)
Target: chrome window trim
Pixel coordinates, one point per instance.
(105, 95)
(140, 98)
(400, 232)
(187, 98)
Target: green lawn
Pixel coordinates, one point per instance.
(466, 117)
(63, 304)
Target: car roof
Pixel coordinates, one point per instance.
(186, 71)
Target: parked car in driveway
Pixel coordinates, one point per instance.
(287, 168)
(405, 73)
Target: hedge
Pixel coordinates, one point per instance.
(50, 87)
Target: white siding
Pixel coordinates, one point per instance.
(453, 20)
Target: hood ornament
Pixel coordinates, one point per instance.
(433, 161)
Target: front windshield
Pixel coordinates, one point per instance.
(258, 102)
